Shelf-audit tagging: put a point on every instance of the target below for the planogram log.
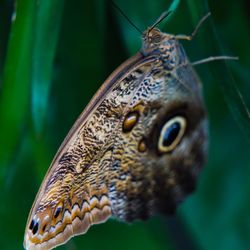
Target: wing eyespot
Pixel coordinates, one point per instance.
(171, 134)
(35, 228)
(58, 210)
(130, 121)
(142, 146)
(32, 223)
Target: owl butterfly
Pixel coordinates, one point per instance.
(136, 149)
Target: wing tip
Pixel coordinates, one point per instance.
(73, 223)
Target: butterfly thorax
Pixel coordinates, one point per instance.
(164, 46)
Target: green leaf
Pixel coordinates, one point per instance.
(15, 92)
(230, 90)
(47, 24)
(5, 16)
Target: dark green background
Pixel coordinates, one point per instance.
(53, 57)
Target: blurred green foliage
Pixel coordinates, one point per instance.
(53, 57)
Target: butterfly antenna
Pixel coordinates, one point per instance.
(164, 15)
(125, 16)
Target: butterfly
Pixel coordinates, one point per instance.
(136, 149)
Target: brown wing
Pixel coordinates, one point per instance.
(74, 193)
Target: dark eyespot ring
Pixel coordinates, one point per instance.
(35, 228)
(58, 211)
(171, 134)
(32, 223)
(44, 227)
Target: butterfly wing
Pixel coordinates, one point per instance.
(135, 150)
(75, 191)
(150, 176)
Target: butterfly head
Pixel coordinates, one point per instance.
(155, 41)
